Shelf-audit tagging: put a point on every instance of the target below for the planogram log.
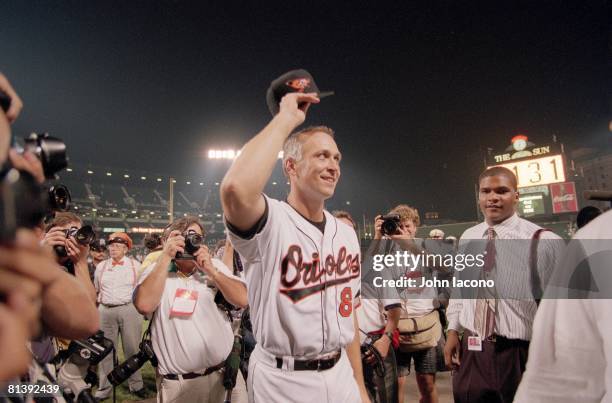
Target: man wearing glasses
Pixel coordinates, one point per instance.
(115, 280)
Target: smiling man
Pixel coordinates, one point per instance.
(498, 329)
(302, 265)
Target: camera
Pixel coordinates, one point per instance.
(59, 198)
(73, 365)
(50, 150)
(193, 241)
(84, 236)
(391, 224)
(123, 371)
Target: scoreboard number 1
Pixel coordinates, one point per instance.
(539, 171)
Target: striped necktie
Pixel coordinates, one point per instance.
(484, 316)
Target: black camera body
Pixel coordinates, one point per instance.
(123, 371)
(193, 241)
(50, 150)
(84, 236)
(391, 224)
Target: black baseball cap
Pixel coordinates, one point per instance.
(292, 81)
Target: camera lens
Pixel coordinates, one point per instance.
(390, 224)
(51, 152)
(59, 198)
(192, 243)
(85, 235)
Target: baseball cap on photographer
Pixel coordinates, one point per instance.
(292, 81)
(120, 237)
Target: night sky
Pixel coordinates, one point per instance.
(422, 88)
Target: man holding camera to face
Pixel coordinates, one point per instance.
(191, 336)
(70, 242)
(115, 280)
(419, 323)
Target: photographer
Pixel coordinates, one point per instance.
(191, 336)
(419, 310)
(32, 285)
(115, 280)
(59, 234)
(98, 252)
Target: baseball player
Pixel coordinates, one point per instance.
(302, 265)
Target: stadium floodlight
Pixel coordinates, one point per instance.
(133, 211)
(201, 184)
(152, 212)
(228, 154)
(189, 183)
(69, 169)
(159, 179)
(109, 174)
(90, 172)
(173, 180)
(144, 178)
(216, 183)
(94, 209)
(126, 176)
(274, 183)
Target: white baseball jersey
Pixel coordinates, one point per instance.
(302, 284)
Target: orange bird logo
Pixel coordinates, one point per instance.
(299, 84)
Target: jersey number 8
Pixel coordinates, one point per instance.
(346, 302)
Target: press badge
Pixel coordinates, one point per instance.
(474, 343)
(184, 302)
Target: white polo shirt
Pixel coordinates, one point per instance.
(185, 344)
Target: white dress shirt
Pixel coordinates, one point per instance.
(114, 282)
(513, 317)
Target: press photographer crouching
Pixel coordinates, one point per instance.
(115, 280)
(191, 336)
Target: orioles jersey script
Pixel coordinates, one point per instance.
(303, 285)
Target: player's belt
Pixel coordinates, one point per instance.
(192, 375)
(312, 365)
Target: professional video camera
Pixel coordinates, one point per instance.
(74, 364)
(84, 236)
(193, 241)
(123, 371)
(391, 224)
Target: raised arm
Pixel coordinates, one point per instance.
(149, 293)
(242, 187)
